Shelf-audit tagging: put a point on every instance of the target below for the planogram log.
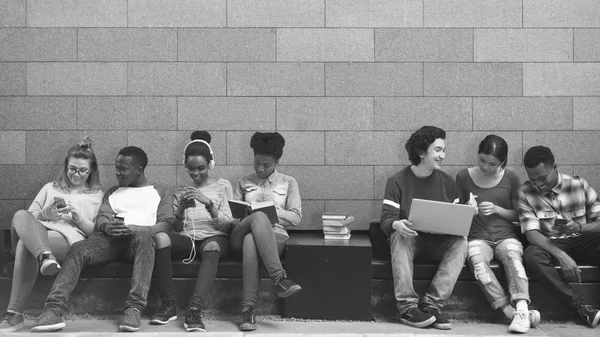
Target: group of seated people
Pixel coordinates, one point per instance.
(72, 224)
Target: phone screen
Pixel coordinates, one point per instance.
(558, 221)
(60, 202)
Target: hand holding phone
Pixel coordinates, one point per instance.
(61, 205)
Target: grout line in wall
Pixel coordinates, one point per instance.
(324, 13)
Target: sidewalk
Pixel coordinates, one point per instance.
(221, 328)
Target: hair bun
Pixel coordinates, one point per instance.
(201, 135)
(86, 143)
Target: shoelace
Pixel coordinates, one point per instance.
(194, 315)
(584, 309)
(133, 312)
(6, 317)
(522, 314)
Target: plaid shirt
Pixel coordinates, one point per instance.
(572, 199)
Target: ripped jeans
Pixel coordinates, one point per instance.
(510, 253)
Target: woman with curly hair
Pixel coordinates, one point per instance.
(61, 214)
(424, 180)
(255, 238)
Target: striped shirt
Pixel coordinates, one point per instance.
(198, 223)
(571, 198)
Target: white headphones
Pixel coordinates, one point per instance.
(211, 164)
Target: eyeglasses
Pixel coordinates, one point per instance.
(80, 171)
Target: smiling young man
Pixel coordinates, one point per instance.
(145, 209)
(424, 180)
(560, 216)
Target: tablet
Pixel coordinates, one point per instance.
(440, 217)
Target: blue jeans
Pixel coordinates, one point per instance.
(449, 250)
(510, 253)
(102, 249)
(259, 245)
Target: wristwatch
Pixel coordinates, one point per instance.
(209, 206)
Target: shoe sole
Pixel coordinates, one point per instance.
(423, 324)
(188, 329)
(128, 328)
(518, 329)
(156, 321)
(595, 320)
(535, 318)
(442, 326)
(13, 328)
(291, 291)
(48, 328)
(50, 269)
(248, 327)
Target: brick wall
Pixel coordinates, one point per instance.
(345, 81)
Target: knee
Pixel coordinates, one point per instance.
(162, 240)
(259, 219)
(143, 237)
(20, 219)
(533, 255)
(212, 247)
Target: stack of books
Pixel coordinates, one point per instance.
(335, 226)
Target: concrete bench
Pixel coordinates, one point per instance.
(467, 301)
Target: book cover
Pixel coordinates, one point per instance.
(238, 209)
(334, 216)
(337, 237)
(338, 223)
(336, 230)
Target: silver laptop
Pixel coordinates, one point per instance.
(440, 217)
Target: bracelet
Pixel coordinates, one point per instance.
(579, 228)
(102, 227)
(178, 218)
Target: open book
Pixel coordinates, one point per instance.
(238, 209)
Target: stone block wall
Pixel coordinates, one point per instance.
(345, 81)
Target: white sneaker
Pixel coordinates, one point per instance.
(520, 322)
(49, 266)
(534, 318)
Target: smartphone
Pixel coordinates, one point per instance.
(119, 218)
(558, 221)
(60, 202)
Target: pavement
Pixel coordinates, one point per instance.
(287, 328)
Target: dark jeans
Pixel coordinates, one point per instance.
(102, 249)
(583, 249)
(180, 248)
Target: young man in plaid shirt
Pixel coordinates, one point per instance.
(560, 216)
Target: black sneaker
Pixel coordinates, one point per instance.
(50, 320)
(590, 315)
(131, 320)
(10, 322)
(416, 318)
(48, 264)
(286, 288)
(166, 313)
(193, 320)
(441, 322)
(248, 321)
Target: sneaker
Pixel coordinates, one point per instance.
(534, 318)
(248, 321)
(50, 320)
(286, 288)
(9, 322)
(520, 322)
(416, 318)
(48, 264)
(166, 313)
(193, 320)
(131, 320)
(590, 315)
(441, 323)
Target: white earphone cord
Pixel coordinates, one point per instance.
(193, 251)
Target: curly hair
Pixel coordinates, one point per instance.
(139, 156)
(268, 143)
(198, 148)
(419, 142)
